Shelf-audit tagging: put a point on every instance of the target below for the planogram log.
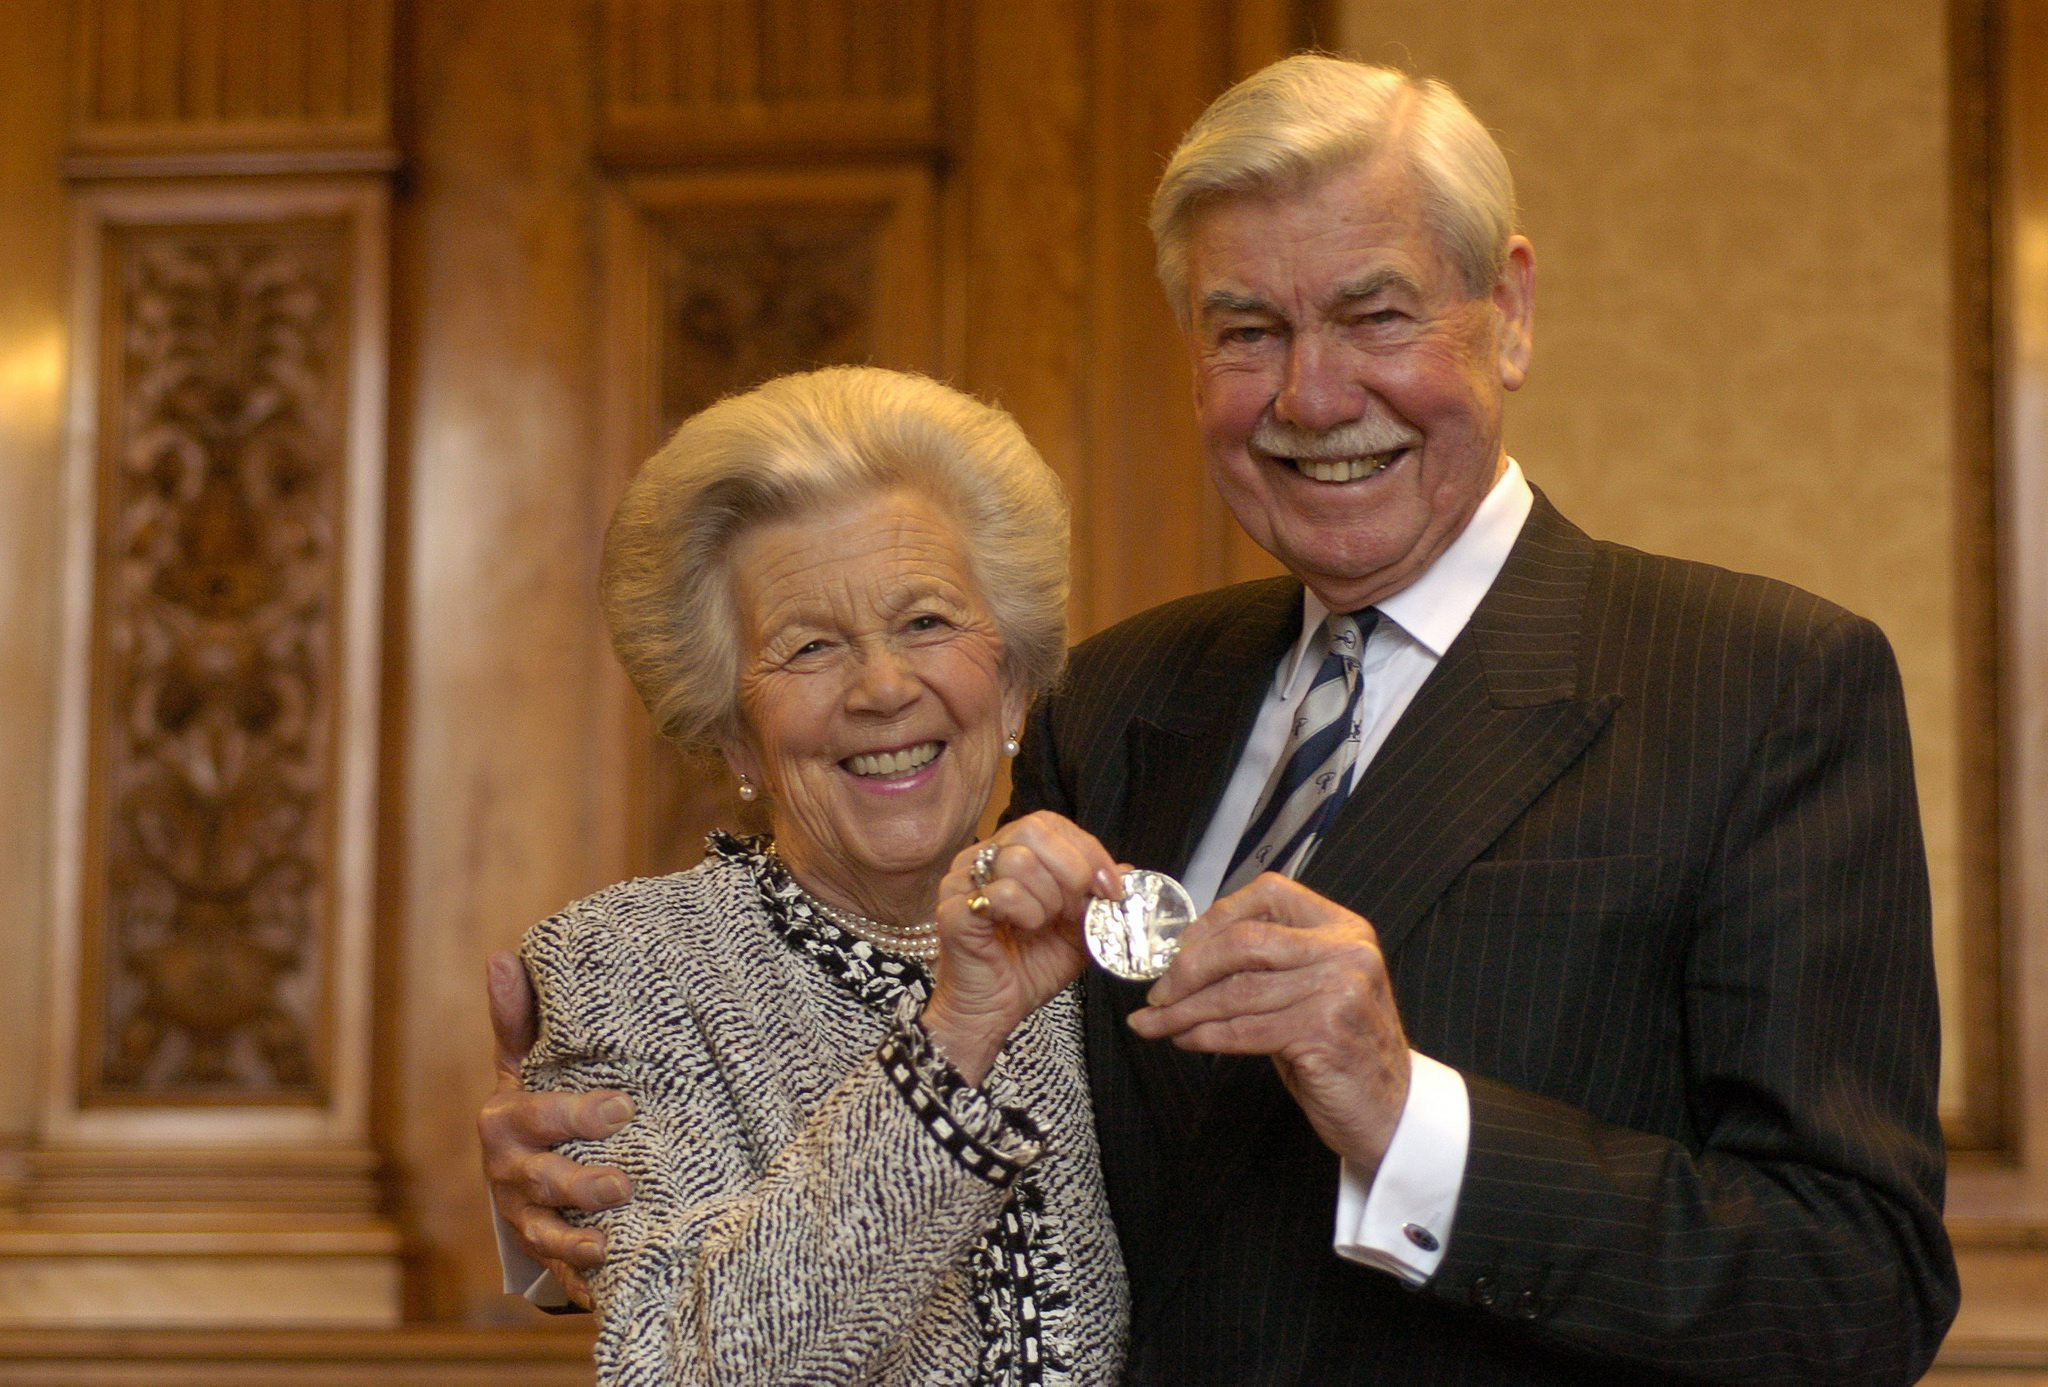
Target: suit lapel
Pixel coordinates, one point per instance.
(1499, 719)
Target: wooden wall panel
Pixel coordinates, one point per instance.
(201, 1152)
(755, 274)
(1979, 1116)
(1074, 109)
(211, 927)
(416, 1356)
(1039, 268)
(2023, 512)
(1021, 214)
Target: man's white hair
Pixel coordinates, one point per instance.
(1297, 121)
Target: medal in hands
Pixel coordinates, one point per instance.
(1136, 937)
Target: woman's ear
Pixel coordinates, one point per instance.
(1015, 705)
(742, 762)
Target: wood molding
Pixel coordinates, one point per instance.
(83, 1183)
(1978, 1119)
(2023, 505)
(554, 1353)
(1998, 1200)
(812, 80)
(2022, 307)
(2009, 1177)
(231, 86)
(2005, 1282)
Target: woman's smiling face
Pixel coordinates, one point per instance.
(871, 696)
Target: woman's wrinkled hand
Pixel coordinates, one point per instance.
(1009, 942)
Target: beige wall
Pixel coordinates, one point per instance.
(1744, 312)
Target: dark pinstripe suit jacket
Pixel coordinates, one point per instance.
(1645, 860)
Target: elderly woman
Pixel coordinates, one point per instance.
(862, 1149)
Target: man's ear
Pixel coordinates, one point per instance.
(1514, 298)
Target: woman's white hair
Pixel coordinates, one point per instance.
(1293, 123)
(786, 449)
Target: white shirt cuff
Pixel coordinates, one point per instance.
(1400, 1221)
(524, 1276)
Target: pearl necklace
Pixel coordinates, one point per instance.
(919, 941)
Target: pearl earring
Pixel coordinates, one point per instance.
(747, 790)
(1010, 745)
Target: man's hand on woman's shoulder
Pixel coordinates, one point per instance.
(530, 1182)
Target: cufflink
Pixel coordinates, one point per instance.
(1420, 1236)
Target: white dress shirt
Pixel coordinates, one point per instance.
(1400, 1221)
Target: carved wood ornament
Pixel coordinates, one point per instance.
(215, 639)
(743, 303)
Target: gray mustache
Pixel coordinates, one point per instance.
(1355, 439)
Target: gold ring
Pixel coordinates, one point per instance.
(978, 903)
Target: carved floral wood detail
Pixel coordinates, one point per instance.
(741, 303)
(215, 631)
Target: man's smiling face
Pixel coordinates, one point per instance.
(1349, 387)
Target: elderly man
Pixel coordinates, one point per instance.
(1570, 954)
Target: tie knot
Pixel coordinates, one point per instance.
(1345, 633)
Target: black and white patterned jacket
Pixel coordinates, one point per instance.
(818, 1196)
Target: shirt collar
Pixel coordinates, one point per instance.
(1433, 609)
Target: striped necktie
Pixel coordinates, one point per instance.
(1309, 785)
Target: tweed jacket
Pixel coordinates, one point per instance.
(1644, 858)
(818, 1197)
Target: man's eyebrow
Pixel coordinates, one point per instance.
(1376, 282)
(1228, 301)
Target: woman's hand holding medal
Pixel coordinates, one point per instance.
(1010, 932)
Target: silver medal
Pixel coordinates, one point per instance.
(1136, 937)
